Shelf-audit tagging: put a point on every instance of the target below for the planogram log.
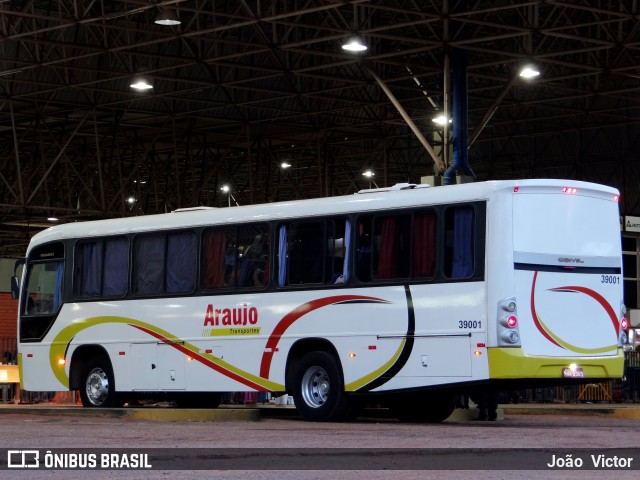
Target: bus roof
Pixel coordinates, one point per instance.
(402, 195)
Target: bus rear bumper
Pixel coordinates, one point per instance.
(512, 363)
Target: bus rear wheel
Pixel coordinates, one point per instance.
(318, 388)
(98, 385)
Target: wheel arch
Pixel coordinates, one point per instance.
(307, 345)
(81, 355)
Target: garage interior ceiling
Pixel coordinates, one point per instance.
(242, 86)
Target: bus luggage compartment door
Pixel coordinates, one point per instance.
(443, 356)
(171, 367)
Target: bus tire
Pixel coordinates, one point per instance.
(318, 388)
(424, 407)
(98, 384)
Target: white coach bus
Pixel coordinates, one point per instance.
(406, 295)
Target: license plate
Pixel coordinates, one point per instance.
(573, 373)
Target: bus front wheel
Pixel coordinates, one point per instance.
(318, 389)
(98, 385)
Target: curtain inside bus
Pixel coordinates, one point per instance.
(181, 262)
(282, 256)
(116, 277)
(347, 251)
(57, 292)
(90, 254)
(462, 258)
(93, 279)
(387, 251)
(148, 264)
(424, 245)
(214, 260)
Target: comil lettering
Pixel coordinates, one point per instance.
(242, 315)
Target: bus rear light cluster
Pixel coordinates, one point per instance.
(508, 334)
(623, 337)
(569, 190)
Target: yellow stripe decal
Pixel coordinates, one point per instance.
(573, 348)
(64, 337)
(355, 385)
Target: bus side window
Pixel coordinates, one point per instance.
(254, 265)
(44, 288)
(92, 279)
(314, 252)
(459, 242)
(305, 253)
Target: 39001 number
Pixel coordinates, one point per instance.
(470, 324)
(609, 279)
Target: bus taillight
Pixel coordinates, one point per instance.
(508, 334)
(570, 190)
(624, 324)
(509, 321)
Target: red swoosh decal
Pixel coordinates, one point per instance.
(598, 298)
(535, 314)
(291, 317)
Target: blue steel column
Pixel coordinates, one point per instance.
(460, 161)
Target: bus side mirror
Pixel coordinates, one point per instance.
(15, 282)
(15, 287)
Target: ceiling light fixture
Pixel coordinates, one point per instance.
(141, 84)
(354, 44)
(167, 17)
(528, 72)
(440, 120)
